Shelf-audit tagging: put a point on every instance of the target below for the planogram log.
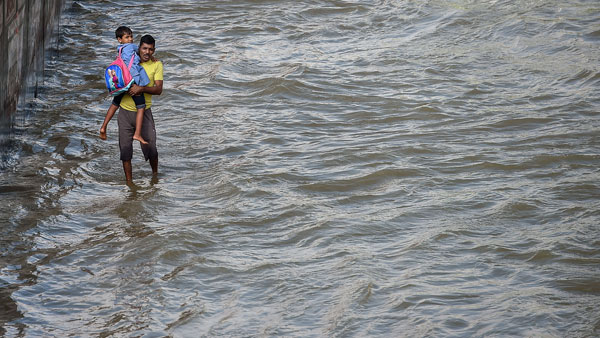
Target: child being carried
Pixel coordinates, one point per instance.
(127, 51)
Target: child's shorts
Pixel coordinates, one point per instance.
(140, 100)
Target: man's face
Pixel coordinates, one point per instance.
(146, 52)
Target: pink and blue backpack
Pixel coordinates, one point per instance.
(117, 76)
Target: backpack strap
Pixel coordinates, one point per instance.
(130, 61)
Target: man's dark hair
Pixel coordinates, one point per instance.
(147, 39)
(122, 31)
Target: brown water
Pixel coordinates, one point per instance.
(328, 168)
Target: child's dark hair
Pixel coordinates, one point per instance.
(122, 31)
(147, 39)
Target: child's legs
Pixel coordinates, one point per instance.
(117, 99)
(140, 101)
(139, 120)
(140, 104)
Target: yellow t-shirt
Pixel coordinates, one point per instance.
(154, 69)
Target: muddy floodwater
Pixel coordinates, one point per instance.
(328, 168)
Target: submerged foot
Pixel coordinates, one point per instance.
(139, 138)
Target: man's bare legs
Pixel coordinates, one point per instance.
(128, 171)
(154, 165)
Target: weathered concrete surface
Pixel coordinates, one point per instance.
(26, 29)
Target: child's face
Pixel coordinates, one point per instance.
(126, 38)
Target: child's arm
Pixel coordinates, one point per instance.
(137, 71)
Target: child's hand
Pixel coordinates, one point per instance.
(103, 133)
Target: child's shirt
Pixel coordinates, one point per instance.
(137, 72)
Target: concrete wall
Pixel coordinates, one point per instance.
(27, 27)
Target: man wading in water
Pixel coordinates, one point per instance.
(127, 111)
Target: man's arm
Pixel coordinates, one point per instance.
(155, 90)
